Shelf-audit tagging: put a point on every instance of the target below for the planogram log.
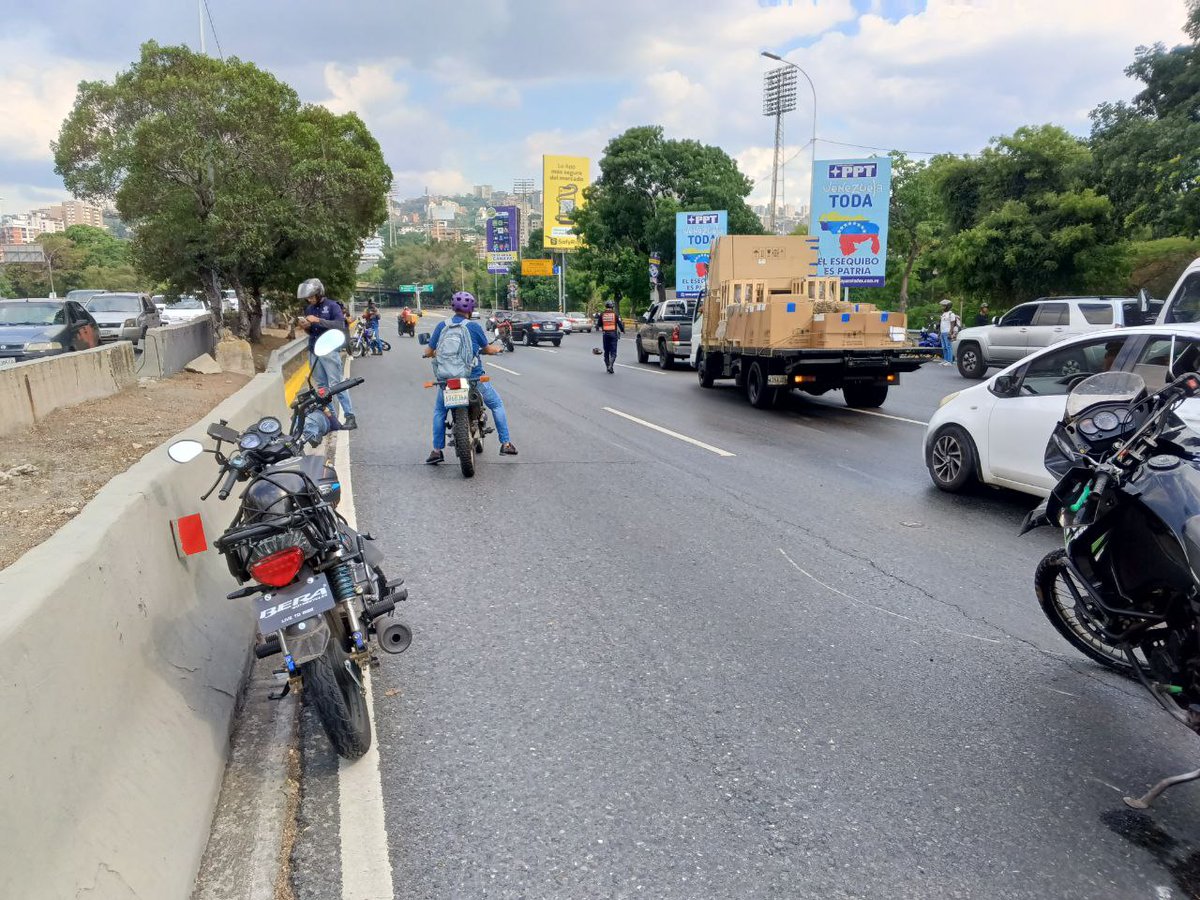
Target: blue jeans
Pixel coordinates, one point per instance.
(373, 336)
(327, 371)
(490, 399)
(947, 348)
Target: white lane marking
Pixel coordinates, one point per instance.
(675, 434)
(888, 612)
(641, 369)
(502, 369)
(1162, 893)
(871, 412)
(366, 866)
(543, 349)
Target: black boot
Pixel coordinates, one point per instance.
(351, 423)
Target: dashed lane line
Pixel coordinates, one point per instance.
(641, 369)
(502, 369)
(675, 434)
(879, 415)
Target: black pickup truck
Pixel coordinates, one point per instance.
(666, 332)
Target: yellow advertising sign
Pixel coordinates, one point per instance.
(563, 181)
(537, 267)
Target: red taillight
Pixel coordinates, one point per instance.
(454, 383)
(535, 325)
(675, 334)
(279, 569)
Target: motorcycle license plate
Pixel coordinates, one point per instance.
(306, 598)
(455, 398)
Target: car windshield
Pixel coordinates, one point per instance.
(31, 314)
(114, 303)
(186, 303)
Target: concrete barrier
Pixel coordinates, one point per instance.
(120, 663)
(30, 391)
(168, 349)
(291, 362)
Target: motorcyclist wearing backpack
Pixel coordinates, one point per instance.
(610, 326)
(453, 333)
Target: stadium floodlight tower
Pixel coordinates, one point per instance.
(779, 97)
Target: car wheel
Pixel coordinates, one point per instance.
(642, 355)
(529, 340)
(952, 460)
(971, 363)
(665, 359)
(557, 342)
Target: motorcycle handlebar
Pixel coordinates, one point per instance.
(230, 480)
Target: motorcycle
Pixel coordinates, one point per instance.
(1125, 589)
(319, 588)
(406, 326)
(360, 344)
(504, 333)
(931, 338)
(466, 417)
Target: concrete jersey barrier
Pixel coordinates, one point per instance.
(168, 349)
(119, 667)
(31, 391)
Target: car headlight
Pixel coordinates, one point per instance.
(948, 398)
(42, 346)
(130, 323)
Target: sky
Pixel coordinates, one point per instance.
(465, 92)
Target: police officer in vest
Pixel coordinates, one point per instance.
(609, 324)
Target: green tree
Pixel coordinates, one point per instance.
(225, 176)
(916, 219)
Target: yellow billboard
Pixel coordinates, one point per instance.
(563, 181)
(537, 267)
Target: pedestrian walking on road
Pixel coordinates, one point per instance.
(610, 326)
(948, 328)
(982, 318)
(324, 314)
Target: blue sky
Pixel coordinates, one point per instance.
(474, 91)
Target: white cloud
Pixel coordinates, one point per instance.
(364, 87)
(408, 183)
(36, 94)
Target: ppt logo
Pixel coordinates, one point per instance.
(852, 170)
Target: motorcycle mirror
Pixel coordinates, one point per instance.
(1143, 300)
(185, 451)
(423, 338)
(329, 342)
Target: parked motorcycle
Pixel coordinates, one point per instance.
(319, 586)
(931, 338)
(360, 343)
(466, 417)
(1125, 590)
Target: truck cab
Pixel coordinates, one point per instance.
(666, 331)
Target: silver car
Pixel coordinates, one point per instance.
(123, 316)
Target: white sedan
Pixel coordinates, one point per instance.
(185, 309)
(996, 432)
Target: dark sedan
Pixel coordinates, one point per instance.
(535, 327)
(33, 329)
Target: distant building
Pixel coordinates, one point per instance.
(25, 228)
(75, 212)
(115, 226)
(483, 191)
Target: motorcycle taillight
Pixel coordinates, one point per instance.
(454, 383)
(280, 568)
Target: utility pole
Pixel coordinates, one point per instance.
(200, 13)
(779, 97)
(813, 172)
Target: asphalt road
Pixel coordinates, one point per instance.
(642, 668)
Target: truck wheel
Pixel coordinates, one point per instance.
(971, 363)
(758, 392)
(642, 355)
(864, 396)
(703, 371)
(665, 359)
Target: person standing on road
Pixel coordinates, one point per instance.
(323, 314)
(610, 326)
(463, 304)
(948, 328)
(371, 317)
(982, 318)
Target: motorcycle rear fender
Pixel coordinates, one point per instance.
(1038, 516)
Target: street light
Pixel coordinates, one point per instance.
(813, 176)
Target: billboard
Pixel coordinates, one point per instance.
(563, 181)
(695, 233)
(537, 267)
(503, 237)
(850, 203)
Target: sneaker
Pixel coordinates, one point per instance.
(435, 457)
(508, 449)
(351, 423)
(610, 370)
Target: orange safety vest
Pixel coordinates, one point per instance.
(608, 321)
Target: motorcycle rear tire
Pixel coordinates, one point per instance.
(339, 702)
(1051, 594)
(463, 445)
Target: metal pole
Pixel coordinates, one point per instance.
(813, 156)
(200, 13)
(775, 169)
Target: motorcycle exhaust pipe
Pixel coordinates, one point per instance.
(395, 637)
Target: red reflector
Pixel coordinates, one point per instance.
(675, 334)
(321, 392)
(189, 535)
(280, 568)
(454, 383)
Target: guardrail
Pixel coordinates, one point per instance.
(31, 391)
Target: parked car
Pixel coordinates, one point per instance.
(996, 432)
(123, 317)
(666, 332)
(535, 327)
(36, 328)
(578, 321)
(1183, 303)
(1027, 328)
(185, 309)
(83, 295)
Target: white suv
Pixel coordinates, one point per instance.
(1030, 327)
(1184, 303)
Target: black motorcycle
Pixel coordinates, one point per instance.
(319, 587)
(1125, 590)
(466, 417)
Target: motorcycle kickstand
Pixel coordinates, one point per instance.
(283, 691)
(350, 671)
(1150, 796)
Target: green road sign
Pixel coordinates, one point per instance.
(416, 288)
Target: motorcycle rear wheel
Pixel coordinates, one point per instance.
(1059, 606)
(331, 684)
(463, 445)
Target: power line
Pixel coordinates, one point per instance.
(211, 25)
(883, 149)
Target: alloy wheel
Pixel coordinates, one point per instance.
(947, 458)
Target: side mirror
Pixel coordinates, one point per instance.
(995, 320)
(1143, 300)
(645, 317)
(185, 451)
(329, 342)
(1004, 385)
(423, 338)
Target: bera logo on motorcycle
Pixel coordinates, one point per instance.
(312, 597)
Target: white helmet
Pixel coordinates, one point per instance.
(310, 288)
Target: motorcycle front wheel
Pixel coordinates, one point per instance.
(463, 445)
(1053, 582)
(332, 684)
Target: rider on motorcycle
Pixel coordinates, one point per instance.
(463, 304)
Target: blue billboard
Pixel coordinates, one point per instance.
(850, 203)
(695, 233)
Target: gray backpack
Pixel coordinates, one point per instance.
(456, 356)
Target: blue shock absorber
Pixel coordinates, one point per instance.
(341, 579)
